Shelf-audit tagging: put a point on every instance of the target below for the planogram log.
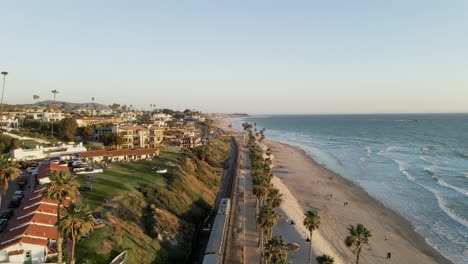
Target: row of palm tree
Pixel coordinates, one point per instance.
(73, 218)
(269, 198)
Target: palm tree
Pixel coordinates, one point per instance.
(266, 221)
(312, 223)
(358, 236)
(76, 221)
(59, 189)
(275, 251)
(325, 259)
(274, 198)
(9, 170)
(36, 98)
(260, 190)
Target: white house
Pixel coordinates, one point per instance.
(8, 123)
(52, 116)
(48, 152)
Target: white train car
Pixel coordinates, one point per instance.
(214, 249)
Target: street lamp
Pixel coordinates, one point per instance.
(1, 101)
(55, 92)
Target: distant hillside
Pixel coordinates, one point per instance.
(91, 105)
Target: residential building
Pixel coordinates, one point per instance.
(52, 116)
(190, 142)
(32, 233)
(41, 152)
(119, 155)
(44, 171)
(8, 123)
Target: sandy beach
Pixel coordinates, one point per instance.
(307, 184)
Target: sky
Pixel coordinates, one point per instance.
(258, 57)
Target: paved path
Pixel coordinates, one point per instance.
(251, 250)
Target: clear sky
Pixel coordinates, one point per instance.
(264, 57)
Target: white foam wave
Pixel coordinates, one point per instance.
(445, 184)
(402, 165)
(440, 200)
(443, 205)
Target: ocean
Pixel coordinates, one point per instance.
(416, 165)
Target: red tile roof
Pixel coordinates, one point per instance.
(46, 169)
(117, 153)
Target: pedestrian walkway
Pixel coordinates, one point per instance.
(251, 250)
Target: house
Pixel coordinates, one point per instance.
(32, 234)
(119, 155)
(190, 142)
(47, 152)
(9, 123)
(135, 136)
(156, 136)
(52, 116)
(46, 169)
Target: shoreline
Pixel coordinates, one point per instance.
(311, 185)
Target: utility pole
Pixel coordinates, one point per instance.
(55, 92)
(1, 102)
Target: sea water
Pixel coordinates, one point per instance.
(416, 165)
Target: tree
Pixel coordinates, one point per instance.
(325, 259)
(275, 251)
(312, 223)
(36, 98)
(266, 221)
(86, 132)
(358, 236)
(67, 128)
(274, 198)
(76, 221)
(112, 139)
(9, 170)
(59, 189)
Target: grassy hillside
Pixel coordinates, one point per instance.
(152, 216)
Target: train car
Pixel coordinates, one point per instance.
(211, 259)
(214, 249)
(224, 206)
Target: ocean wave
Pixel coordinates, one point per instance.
(402, 165)
(433, 170)
(443, 205)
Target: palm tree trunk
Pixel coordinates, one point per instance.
(310, 248)
(72, 260)
(357, 255)
(1, 194)
(59, 237)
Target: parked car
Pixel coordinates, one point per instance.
(3, 224)
(85, 188)
(55, 161)
(18, 195)
(15, 203)
(7, 214)
(22, 183)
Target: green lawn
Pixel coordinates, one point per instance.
(120, 179)
(29, 144)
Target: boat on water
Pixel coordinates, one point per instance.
(119, 259)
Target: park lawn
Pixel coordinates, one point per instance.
(120, 180)
(30, 144)
(117, 180)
